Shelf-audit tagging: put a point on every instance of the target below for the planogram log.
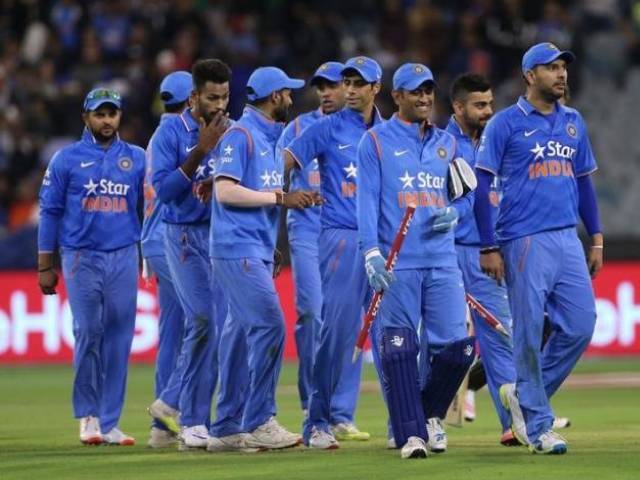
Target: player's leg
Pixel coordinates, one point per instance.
(308, 298)
(187, 256)
(84, 280)
(571, 308)
(120, 295)
(447, 351)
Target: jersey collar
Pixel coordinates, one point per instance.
(356, 117)
(411, 128)
(527, 108)
(188, 121)
(269, 127)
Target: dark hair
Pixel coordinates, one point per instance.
(175, 107)
(210, 70)
(468, 83)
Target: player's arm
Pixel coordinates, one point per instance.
(309, 145)
(585, 165)
(52, 205)
(368, 210)
(168, 179)
(209, 135)
(489, 162)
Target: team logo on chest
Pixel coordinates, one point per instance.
(572, 131)
(125, 164)
(348, 188)
(105, 196)
(423, 189)
(442, 152)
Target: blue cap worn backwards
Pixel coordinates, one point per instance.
(544, 53)
(367, 67)
(176, 87)
(411, 75)
(331, 71)
(266, 80)
(99, 96)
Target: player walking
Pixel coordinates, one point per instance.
(88, 209)
(541, 153)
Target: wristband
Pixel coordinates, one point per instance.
(279, 198)
(42, 270)
(599, 247)
(486, 250)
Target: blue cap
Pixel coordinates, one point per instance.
(331, 71)
(176, 87)
(544, 53)
(367, 67)
(266, 80)
(99, 96)
(410, 76)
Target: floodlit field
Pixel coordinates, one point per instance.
(38, 437)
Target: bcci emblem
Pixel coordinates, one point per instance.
(418, 69)
(125, 164)
(324, 66)
(360, 60)
(572, 130)
(552, 47)
(442, 152)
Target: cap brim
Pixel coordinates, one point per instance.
(417, 83)
(565, 55)
(328, 78)
(294, 83)
(360, 72)
(97, 104)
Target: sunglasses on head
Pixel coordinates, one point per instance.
(103, 93)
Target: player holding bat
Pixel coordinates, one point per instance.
(402, 162)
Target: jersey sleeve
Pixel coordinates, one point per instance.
(368, 198)
(52, 202)
(169, 181)
(492, 145)
(585, 161)
(311, 142)
(233, 155)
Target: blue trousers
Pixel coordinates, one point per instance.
(170, 333)
(256, 315)
(547, 270)
(186, 249)
(344, 293)
(496, 350)
(102, 289)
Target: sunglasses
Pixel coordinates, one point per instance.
(103, 93)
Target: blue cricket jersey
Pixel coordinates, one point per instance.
(172, 143)
(89, 196)
(537, 159)
(247, 153)
(334, 140)
(467, 230)
(398, 166)
(305, 223)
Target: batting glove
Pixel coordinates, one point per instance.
(379, 277)
(445, 219)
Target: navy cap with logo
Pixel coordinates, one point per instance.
(176, 87)
(331, 71)
(266, 80)
(100, 96)
(411, 75)
(544, 53)
(366, 67)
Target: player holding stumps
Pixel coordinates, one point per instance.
(541, 153)
(403, 161)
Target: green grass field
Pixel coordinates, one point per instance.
(38, 438)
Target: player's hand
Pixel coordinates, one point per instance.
(211, 133)
(445, 219)
(277, 262)
(491, 263)
(379, 277)
(48, 280)
(204, 190)
(594, 261)
(298, 199)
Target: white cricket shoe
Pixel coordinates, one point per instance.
(437, 436)
(550, 443)
(159, 438)
(166, 415)
(391, 443)
(470, 406)
(231, 443)
(193, 437)
(272, 435)
(561, 422)
(115, 436)
(509, 400)
(322, 440)
(348, 431)
(90, 431)
(414, 448)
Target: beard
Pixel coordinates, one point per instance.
(101, 138)
(280, 114)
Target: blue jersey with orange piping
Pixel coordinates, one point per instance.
(398, 166)
(537, 159)
(333, 141)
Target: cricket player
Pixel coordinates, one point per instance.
(304, 230)
(248, 190)
(175, 90)
(407, 161)
(540, 151)
(333, 141)
(472, 103)
(182, 156)
(88, 209)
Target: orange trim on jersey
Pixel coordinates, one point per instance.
(296, 124)
(247, 134)
(377, 142)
